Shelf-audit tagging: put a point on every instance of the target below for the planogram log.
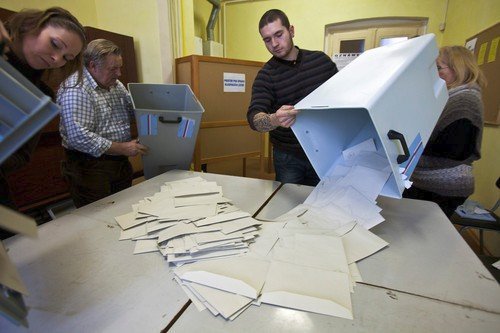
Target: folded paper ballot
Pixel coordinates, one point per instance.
(243, 276)
(308, 288)
(227, 304)
(216, 198)
(360, 242)
(221, 218)
(145, 246)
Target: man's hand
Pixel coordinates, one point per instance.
(131, 148)
(285, 116)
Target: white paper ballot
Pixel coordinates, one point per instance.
(133, 232)
(128, 220)
(145, 246)
(181, 229)
(367, 181)
(309, 289)
(360, 243)
(241, 275)
(221, 218)
(352, 152)
(227, 304)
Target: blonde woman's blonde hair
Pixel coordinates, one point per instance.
(464, 64)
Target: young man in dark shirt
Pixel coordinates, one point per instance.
(289, 76)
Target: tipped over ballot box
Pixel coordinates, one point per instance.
(168, 118)
(24, 110)
(391, 94)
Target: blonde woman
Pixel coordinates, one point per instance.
(444, 172)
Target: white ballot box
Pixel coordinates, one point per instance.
(168, 119)
(391, 94)
(24, 109)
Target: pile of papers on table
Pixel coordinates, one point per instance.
(306, 258)
(187, 221)
(289, 265)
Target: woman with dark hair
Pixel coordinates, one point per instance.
(444, 172)
(36, 42)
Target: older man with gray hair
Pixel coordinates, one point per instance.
(95, 126)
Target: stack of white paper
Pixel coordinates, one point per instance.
(188, 220)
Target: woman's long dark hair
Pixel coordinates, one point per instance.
(32, 21)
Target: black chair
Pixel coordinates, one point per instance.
(465, 223)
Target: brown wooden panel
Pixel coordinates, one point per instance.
(225, 105)
(224, 141)
(490, 65)
(224, 132)
(183, 73)
(40, 180)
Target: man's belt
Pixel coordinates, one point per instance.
(78, 155)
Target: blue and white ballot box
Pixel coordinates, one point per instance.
(168, 119)
(391, 94)
(24, 110)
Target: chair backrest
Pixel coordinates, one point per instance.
(495, 207)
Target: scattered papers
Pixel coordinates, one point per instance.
(305, 259)
(289, 265)
(312, 255)
(351, 187)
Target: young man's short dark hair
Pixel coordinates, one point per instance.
(271, 16)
